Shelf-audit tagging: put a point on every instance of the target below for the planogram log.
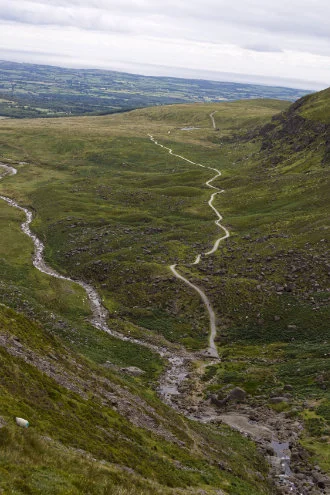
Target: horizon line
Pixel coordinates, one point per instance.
(152, 70)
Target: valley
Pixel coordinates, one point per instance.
(30, 90)
(128, 218)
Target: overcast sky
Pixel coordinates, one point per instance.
(285, 42)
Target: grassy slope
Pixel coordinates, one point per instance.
(81, 182)
(75, 425)
(317, 107)
(115, 210)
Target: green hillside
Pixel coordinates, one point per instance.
(317, 107)
(115, 211)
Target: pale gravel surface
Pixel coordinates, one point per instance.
(212, 119)
(213, 352)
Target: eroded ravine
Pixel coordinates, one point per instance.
(178, 363)
(99, 312)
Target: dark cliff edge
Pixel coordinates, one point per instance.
(290, 132)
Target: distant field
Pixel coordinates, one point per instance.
(28, 90)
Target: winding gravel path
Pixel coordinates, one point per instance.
(212, 119)
(212, 350)
(179, 362)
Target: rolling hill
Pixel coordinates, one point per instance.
(115, 211)
(29, 90)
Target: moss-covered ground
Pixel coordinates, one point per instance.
(115, 210)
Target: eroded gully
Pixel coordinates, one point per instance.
(178, 362)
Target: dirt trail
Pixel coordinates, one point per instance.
(212, 119)
(171, 389)
(212, 350)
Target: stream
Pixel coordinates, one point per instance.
(180, 361)
(177, 370)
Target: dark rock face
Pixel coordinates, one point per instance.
(278, 400)
(294, 132)
(326, 158)
(237, 394)
(217, 402)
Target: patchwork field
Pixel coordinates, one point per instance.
(30, 90)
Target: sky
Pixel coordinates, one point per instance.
(282, 42)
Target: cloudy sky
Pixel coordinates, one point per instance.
(285, 42)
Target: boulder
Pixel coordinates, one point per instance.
(133, 371)
(217, 402)
(237, 395)
(278, 400)
(321, 480)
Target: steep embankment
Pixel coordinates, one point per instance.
(304, 128)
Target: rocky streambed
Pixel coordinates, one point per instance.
(276, 435)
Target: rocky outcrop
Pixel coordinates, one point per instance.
(237, 394)
(290, 132)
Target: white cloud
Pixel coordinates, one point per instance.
(286, 39)
(306, 17)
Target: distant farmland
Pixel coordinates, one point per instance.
(28, 90)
